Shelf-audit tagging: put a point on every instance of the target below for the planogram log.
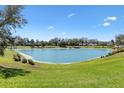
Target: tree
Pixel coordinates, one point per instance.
(37, 43)
(10, 19)
(111, 43)
(119, 39)
(42, 43)
(18, 41)
(54, 41)
(25, 41)
(32, 43)
(102, 43)
(81, 41)
(62, 43)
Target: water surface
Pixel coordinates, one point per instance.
(64, 55)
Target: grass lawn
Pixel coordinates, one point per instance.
(106, 72)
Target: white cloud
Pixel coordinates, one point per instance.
(109, 19)
(72, 14)
(106, 24)
(50, 27)
(112, 18)
(63, 33)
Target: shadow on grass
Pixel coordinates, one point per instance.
(12, 72)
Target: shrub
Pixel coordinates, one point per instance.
(16, 58)
(114, 52)
(102, 56)
(109, 54)
(19, 57)
(121, 50)
(31, 62)
(24, 60)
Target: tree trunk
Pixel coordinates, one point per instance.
(2, 51)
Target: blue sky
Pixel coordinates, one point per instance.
(94, 22)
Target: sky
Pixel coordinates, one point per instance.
(94, 22)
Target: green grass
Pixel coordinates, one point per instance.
(106, 72)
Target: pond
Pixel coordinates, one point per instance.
(64, 55)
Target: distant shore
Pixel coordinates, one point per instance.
(29, 47)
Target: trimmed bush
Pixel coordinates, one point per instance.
(24, 60)
(17, 58)
(18, 55)
(31, 62)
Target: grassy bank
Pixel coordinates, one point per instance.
(105, 72)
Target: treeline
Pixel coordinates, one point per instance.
(61, 42)
(18, 41)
